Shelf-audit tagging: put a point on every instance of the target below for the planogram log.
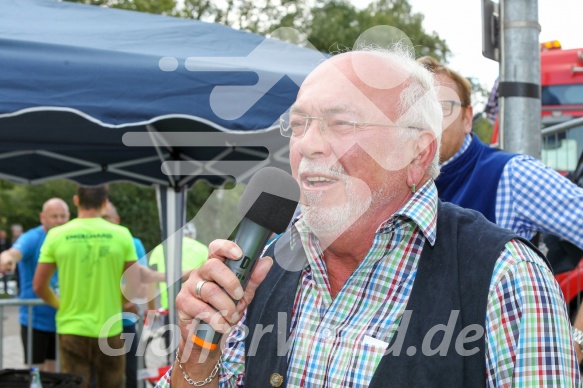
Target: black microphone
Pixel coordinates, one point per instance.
(267, 206)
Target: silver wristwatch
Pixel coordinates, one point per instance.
(577, 335)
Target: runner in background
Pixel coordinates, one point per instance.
(25, 253)
(91, 256)
(194, 254)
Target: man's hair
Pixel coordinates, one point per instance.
(418, 104)
(464, 86)
(92, 197)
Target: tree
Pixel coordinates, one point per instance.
(337, 25)
(138, 211)
(214, 216)
(22, 204)
(164, 7)
(329, 26)
(483, 128)
(480, 92)
(135, 204)
(257, 16)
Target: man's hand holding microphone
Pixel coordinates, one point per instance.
(215, 296)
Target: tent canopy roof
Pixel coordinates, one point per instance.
(76, 78)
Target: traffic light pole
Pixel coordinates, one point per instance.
(519, 88)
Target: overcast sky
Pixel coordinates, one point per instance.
(459, 22)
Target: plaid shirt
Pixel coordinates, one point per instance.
(337, 342)
(532, 197)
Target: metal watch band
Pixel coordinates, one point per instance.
(577, 335)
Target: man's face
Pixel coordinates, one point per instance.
(458, 124)
(109, 214)
(16, 231)
(344, 176)
(54, 214)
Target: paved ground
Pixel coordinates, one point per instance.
(12, 354)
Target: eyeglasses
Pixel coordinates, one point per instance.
(336, 125)
(448, 105)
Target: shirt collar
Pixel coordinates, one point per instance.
(421, 209)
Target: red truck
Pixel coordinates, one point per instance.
(562, 101)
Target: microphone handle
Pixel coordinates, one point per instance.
(252, 239)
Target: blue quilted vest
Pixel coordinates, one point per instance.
(471, 181)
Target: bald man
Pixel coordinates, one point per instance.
(25, 253)
(354, 292)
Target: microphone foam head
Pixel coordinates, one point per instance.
(270, 199)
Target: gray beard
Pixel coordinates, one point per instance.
(329, 221)
(326, 221)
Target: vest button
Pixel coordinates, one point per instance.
(276, 380)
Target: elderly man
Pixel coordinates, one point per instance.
(25, 252)
(398, 289)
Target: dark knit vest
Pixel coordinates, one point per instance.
(453, 276)
(471, 181)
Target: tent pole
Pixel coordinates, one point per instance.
(172, 210)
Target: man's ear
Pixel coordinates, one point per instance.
(425, 151)
(76, 200)
(468, 118)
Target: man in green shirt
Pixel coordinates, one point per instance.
(91, 255)
(194, 253)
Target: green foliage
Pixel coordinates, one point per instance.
(333, 27)
(22, 204)
(483, 128)
(138, 211)
(213, 212)
(398, 14)
(164, 7)
(480, 92)
(136, 205)
(330, 26)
